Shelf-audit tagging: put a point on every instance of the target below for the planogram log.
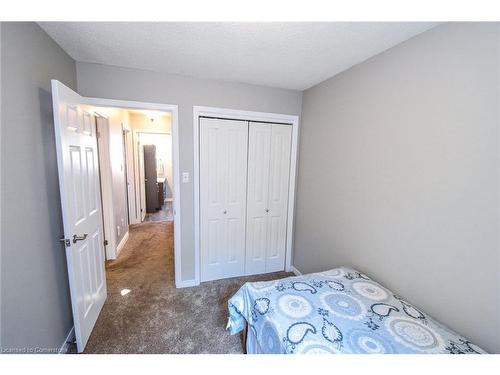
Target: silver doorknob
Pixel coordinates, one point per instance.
(267, 209)
(79, 238)
(224, 212)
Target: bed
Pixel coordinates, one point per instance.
(337, 311)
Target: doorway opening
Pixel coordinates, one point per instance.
(155, 171)
(135, 151)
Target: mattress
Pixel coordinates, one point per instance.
(337, 311)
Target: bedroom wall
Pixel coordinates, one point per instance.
(103, 81)
(35, 305)
(399, 175)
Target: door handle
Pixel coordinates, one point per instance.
(79, 238)
(267, 210)
(224, 212)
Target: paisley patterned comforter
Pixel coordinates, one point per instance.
(338, 311)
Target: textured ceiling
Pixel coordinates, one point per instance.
(286, 55)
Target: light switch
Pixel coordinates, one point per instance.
(185, 177)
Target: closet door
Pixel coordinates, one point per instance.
(223, 172)
(259, 151)
(279, 183)
(267, 198)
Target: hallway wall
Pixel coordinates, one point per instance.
(118, 119)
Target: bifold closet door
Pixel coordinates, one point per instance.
(223, 179)
(269, 148)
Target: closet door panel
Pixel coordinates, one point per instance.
(235, 197)
(223, 150)
(214, 235)
(279, 182)
(212, 228)
(259, 147)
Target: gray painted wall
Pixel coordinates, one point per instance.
(0, 186)
(36, 308)
(120, 83)
(399, 175)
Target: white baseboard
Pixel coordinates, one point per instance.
(296, 271)
(121, 244)
(185, 283)
(67, 342)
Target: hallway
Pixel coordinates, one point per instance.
(145, 313)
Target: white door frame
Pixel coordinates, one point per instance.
(293, 120)
(136, 135)
(176, 191)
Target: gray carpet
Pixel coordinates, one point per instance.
(155, 317)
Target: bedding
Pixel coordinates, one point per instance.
(337, 311)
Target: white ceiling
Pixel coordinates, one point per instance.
(286, 55)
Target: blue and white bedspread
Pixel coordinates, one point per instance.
(337, 311)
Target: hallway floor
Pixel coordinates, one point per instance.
(166, 213)
(145, 313)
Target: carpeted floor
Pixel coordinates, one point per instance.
(155, 317)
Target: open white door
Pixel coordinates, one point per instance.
(77, 162)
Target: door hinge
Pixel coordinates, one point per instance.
(105, 242)
(66, 241)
